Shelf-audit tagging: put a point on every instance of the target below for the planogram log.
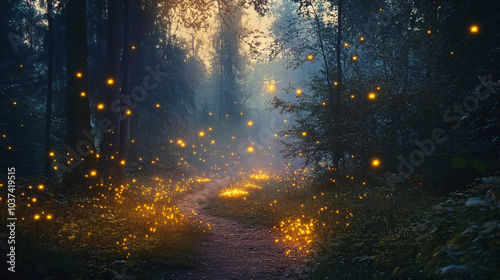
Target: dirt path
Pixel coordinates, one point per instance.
(233, 250)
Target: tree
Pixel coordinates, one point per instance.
(48, 107)
(82, 167)
(109, 160)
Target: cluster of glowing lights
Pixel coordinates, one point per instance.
(203, 180)
(233, 193)
(297, 231)
(260, 177)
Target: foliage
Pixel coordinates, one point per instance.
(117, 233)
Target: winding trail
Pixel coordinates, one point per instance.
(233, 251)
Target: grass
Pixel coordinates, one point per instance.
(379, 231)
(127, 230)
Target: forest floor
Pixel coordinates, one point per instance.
(234, 250)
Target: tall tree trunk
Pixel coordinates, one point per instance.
(48, 107)
(109, 159)
(126, 68)
(79, 140)
(334, 106)
(339, 92)
(339, 61)
(221, 75)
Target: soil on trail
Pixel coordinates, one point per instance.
(233, 250)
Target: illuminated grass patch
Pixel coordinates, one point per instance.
(233, 193)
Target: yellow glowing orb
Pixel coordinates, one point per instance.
(474, 29)
(372, 95)
(100, 106)
(299, 91)
(93, 173)
(79, 75)
(202, 133)
(250, 123)
(375, 162)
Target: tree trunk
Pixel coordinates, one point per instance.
(81, 172)
(109, 147)
(126, 68)
(48, 107)
(338, 143)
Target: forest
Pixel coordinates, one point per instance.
(250, 139)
